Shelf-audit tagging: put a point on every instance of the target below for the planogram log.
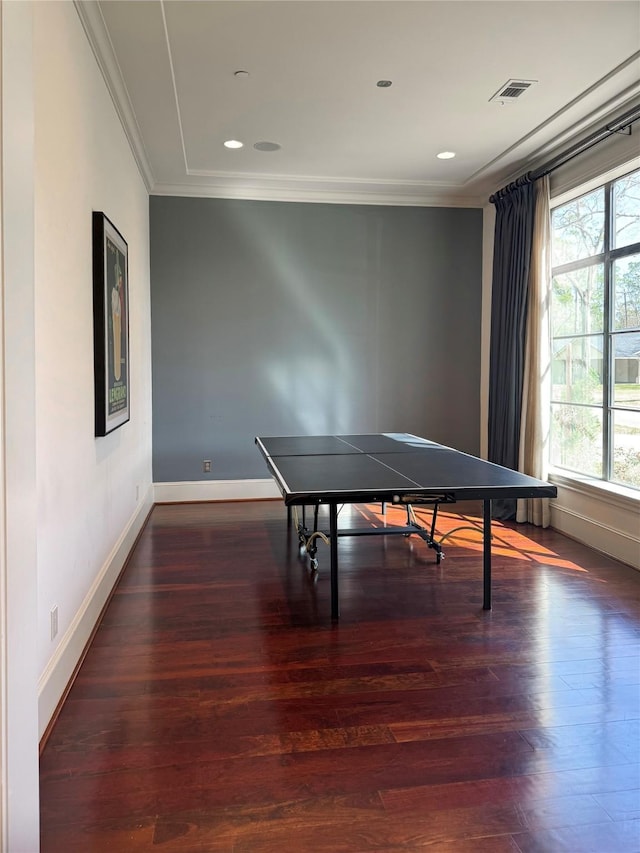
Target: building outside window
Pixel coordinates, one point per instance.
(595, 333)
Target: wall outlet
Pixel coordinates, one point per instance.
(54, 621)
(206, 466)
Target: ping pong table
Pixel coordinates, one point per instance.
(394, 468)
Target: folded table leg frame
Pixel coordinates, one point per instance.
(308, 539)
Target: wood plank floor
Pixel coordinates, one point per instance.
(219, 709)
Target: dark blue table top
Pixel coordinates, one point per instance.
(386, 466)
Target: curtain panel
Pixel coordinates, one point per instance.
(536, 391)
(515, 211)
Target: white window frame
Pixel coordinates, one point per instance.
(613, 494)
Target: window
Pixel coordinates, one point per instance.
(595, 333)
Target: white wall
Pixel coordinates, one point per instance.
(92, 493)
(18, 592)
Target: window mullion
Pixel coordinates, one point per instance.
(593, 341)
(608, 377)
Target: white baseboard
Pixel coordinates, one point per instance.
(215, 490)
(601, 537)
(54, 680)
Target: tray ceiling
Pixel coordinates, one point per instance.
(310, 91)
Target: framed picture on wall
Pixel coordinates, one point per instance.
(110, 326)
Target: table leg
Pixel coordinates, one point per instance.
(333, 547)
(486, 553)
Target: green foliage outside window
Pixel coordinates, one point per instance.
(590, 263)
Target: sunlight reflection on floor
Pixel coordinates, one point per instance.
(506, 541)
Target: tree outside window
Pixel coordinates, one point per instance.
(595, 329)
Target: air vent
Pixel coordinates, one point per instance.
(512, 90)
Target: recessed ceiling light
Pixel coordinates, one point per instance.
(446, 155)
(266, 146)
(233, 143)
(383, 84)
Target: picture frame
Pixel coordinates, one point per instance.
(110, 325)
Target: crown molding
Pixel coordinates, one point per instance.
(98, 37)
(395, 195)
(248, 186)
(606, 112)
(472, 193)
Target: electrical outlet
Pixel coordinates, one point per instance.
(54, 621)
(206, 466)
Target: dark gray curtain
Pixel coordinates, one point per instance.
(515, 209)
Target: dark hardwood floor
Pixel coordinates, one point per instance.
(219, 709)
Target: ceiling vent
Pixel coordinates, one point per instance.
(512, 90)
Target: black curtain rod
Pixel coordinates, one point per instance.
(621, 123)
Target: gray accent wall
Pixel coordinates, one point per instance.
(280, 318)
